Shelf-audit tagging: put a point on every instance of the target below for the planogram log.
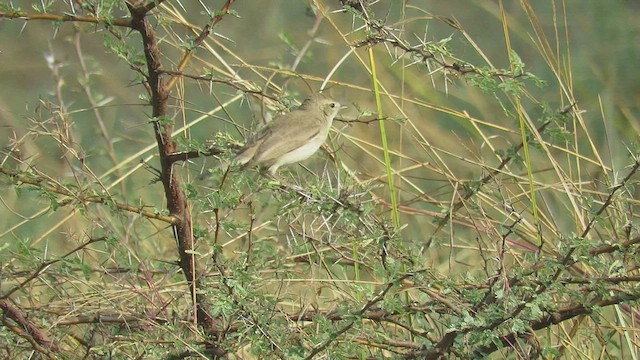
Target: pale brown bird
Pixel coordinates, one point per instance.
(291, 137)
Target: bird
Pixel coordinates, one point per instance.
(292, 137)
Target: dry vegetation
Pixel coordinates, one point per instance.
(460, 209)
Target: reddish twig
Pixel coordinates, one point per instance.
(34, 334)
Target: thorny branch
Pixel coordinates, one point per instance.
(379, 297)
(124, 22)
(80, 198)
(422, 53)
(27, 329)
(218, 16)
(46, 265)
(177, 203)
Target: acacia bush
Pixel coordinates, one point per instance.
(460, 209)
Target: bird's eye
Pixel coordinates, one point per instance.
(333, 105)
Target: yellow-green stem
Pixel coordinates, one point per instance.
(385, 146)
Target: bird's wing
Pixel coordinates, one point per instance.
(286, 138)
(249, 150)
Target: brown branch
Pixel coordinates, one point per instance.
(554, 319)
(602, 279)
(35, 335)
(444, 345)
(38, 334)
(46, 186)
(611, 248)
(194, 154)
(177, 203)
(122, 22)
(130, 321)
(210, 79)
(360, 121)
(384, 35)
